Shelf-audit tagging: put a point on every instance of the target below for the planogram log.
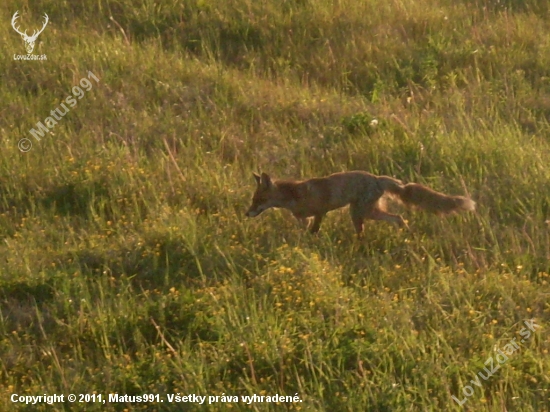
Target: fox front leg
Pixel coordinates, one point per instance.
(302, 221)
(316, 223)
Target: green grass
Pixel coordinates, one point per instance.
(127, 265)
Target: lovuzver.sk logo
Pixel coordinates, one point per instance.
(29, 40)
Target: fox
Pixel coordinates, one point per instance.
(365, 193)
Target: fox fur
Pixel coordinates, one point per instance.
(365, 193)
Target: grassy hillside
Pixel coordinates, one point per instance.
(127, 265)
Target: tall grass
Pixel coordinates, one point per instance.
(128, 265)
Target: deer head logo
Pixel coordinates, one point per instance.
(29, 40)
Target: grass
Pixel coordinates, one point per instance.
(128, 265)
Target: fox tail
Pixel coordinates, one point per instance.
(422, 197)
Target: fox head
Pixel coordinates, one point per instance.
(264, 197)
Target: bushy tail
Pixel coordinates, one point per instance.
(414, 194)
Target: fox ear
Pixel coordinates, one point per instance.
(258, 178)
(266, 180)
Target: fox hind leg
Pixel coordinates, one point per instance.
(378, 214)
(361, 211)
(362, 208)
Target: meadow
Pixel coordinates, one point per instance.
(127, 265)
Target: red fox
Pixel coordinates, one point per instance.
(364, 192)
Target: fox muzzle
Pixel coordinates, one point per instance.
(254, 212)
